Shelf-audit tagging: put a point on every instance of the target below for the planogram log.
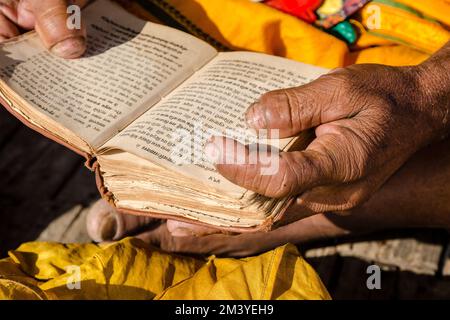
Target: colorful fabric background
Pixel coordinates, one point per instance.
(404, 36)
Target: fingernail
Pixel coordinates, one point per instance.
(255, 117)
(70, 48)
(212, 152)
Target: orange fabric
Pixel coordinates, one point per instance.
(246, 25)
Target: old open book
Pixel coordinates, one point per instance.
(140, 106)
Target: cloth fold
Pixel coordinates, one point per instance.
(254, 26)
(130, 269)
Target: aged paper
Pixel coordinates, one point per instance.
(129, 65)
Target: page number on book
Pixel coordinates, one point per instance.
(214, 179)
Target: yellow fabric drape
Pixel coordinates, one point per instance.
(403, 25)
(437, 9)
(246, 25)
(130, 269)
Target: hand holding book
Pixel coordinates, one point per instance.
(49, 19)
(369, 120)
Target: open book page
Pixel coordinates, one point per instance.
(129, 65)
(173, 133)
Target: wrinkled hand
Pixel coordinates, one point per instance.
(49, 19)
(368, 119)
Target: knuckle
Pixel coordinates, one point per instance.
(345, 93)
(349, 159)
(282, 191)
(281, 184)
(295, 100)
(269, 98)
(51, 11)
(357, 195)
(354, 201)
(283, 102)
(300, 168)
(294, 175)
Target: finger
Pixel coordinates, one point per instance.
(242, 245)
(320, 226)
(105, 223)
(272, 173)
(7, 28)
(18, 12)
(25, 16)
(182, 229)
(51, 24)
(9, 10)
(338, 199)
(312, 228)
(297, 109)
(161, 237)
(155, 235)
(339, 154)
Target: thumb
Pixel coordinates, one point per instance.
(51, 24)
(267, 171)
(297, 109)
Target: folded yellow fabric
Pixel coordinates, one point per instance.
(130, 269)
(436, 9)
(394, 55)
(247, 25)
(401, 23)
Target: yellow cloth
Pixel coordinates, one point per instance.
(247, 25)
(397, 21)
(437, 9)
(130, 269)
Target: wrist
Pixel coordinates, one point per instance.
(431, 95)
(433, 80)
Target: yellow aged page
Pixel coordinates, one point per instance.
(129, 65)
(173, 133)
